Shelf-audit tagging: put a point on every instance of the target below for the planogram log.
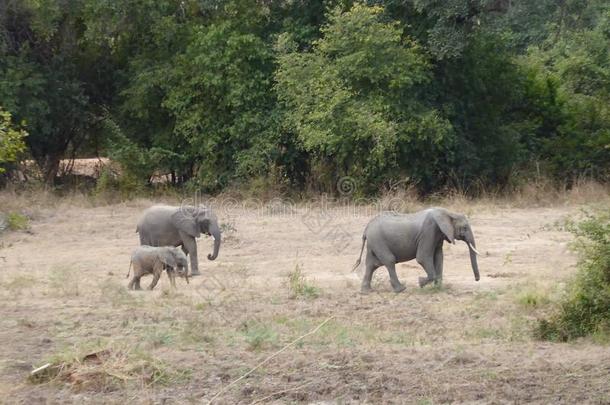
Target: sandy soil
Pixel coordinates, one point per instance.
(63, 295)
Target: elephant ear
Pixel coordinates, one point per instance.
(168, 257)
(184, 220)
(204, 217)
(445, 223)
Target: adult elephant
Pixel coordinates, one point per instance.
(163, 225)
(395, 238)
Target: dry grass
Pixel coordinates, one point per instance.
(63, 297)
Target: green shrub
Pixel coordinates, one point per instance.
(110, 185)
(17, 222)
(585, 309)
(299, 286)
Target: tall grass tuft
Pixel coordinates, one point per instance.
(299, 286)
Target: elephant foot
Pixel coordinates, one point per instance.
(399, 288)
(423, 281)
(366, 289)
(195, 273)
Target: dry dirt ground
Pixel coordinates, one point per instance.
(63, 296)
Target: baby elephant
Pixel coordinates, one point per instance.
(149, 259)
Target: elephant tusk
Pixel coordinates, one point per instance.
(472, 247)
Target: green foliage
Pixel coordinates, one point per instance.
(221, 96)
(48, 77)
(352, 99)
(295, 95)
(11, 139)
(585, 310)
(571, 86)
(110, 185)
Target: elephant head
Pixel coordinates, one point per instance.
(197, 220)
(456, 226)
(175, 258)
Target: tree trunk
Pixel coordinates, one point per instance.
(49, 168)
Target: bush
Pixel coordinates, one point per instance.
(299, 286)
(14, 221)
(585, 310)
(111, 185)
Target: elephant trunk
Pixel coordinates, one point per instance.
(473, 259)
(215, 232)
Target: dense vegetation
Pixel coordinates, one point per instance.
(585, 309)
(458, 93)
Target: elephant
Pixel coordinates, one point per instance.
(150, 259)
(163, 225)
(395, 238)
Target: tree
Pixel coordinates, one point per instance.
(354, 100)
(42, 62)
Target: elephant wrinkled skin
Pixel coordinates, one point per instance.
(395, 238)
(163, 225)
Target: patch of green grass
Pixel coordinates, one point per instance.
(196, 332)
(154, 371)
(110, 365)
(19, 283)
(14, 221)
(116, 293)
(399, 338)
(64, 282)
(259, 335)
(486, 296)
(159, 336)
(533, 298)
(299, 286)
(486, 333)
(335, 332)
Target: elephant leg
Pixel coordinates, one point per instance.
(371, 265)
(131, 283)
(190, 245)
(427, 262)
(389, 261)
(157, 271)
(172, 277)
(137, 283)
(438, 264)
(154, 281)
(396, 285)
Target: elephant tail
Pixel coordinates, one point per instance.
(361, 250)
(129, 271)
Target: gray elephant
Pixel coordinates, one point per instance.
(163, 225)
(395, 238)
(153, 260)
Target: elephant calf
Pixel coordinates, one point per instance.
(396, 238)
(153, 260)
